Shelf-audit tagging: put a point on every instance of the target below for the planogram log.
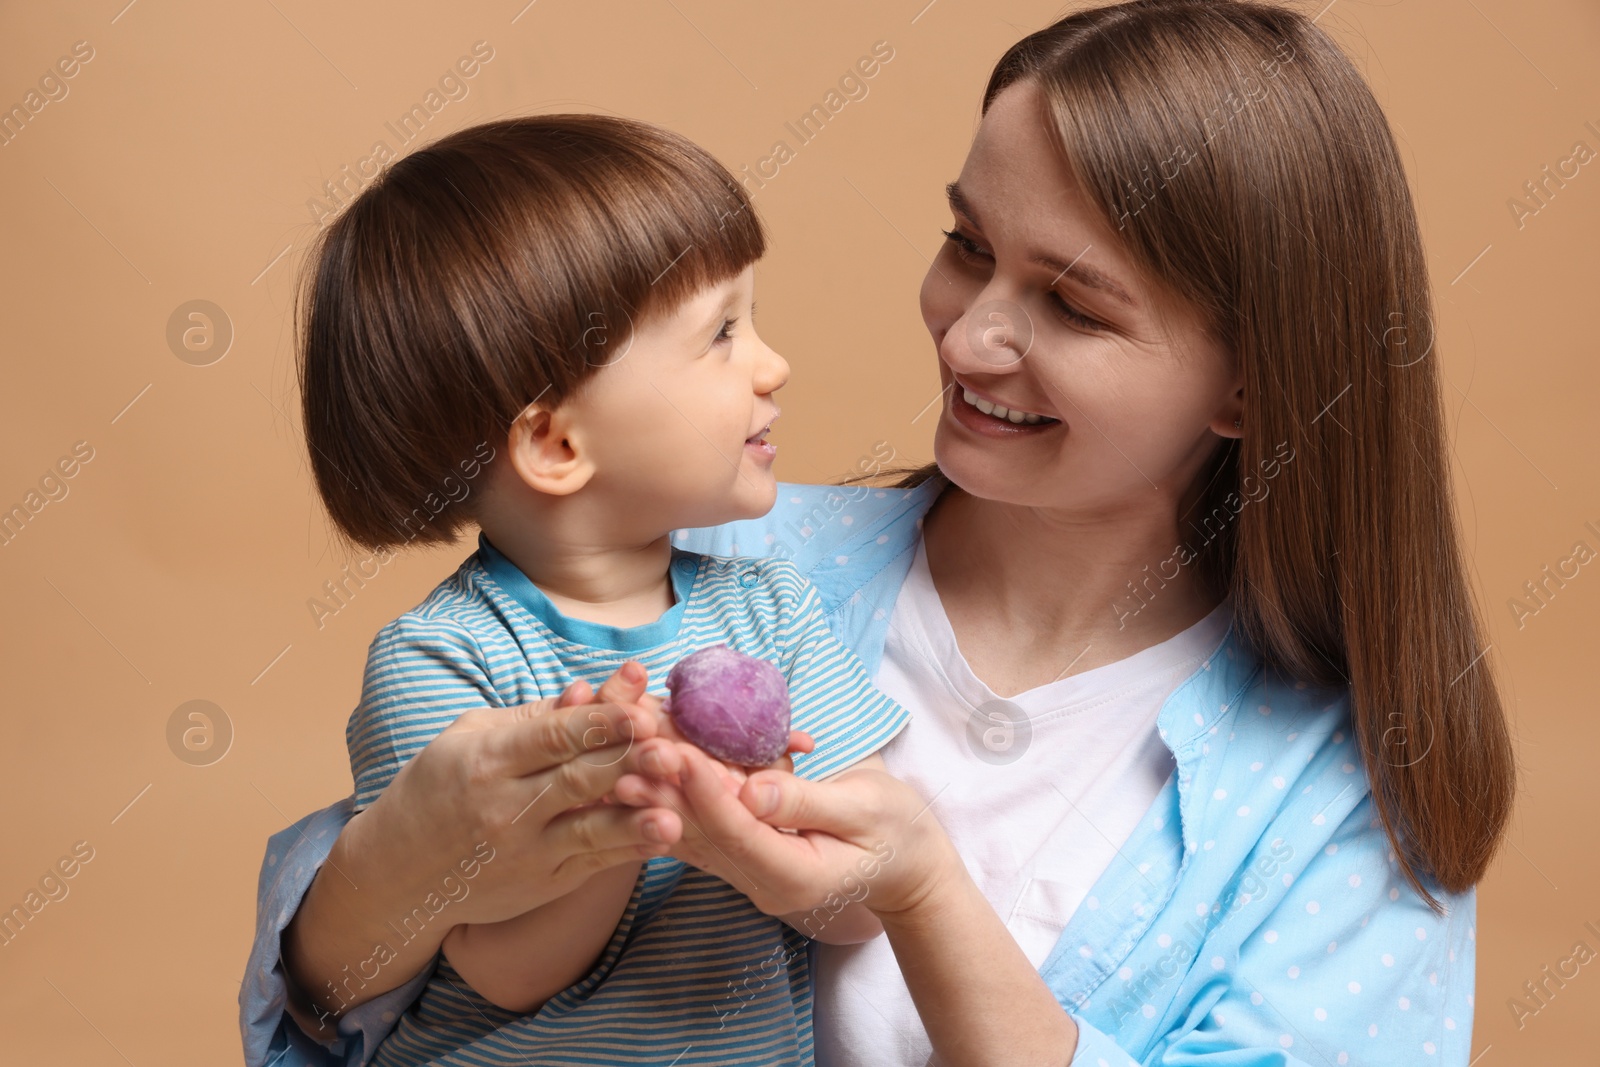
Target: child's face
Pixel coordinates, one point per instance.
(673, 423)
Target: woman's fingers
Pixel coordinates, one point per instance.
(543, 737)
(716, 808)
(607, 829)
(847, 806)
(577, 868)
(550, 732)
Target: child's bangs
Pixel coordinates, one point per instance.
(672, 222)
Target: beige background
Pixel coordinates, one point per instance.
(178, 567)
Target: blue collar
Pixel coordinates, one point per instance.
(684, 570)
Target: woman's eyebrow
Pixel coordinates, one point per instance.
(1093, 277)
(958, 201)
(1085, 273)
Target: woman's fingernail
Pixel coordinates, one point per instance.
(632, 671)
(652, 763)
(652, 830)
(766, 799)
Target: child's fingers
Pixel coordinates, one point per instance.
(666, 726)
(579, 692)
(625, 686)
(800, 741)
(636, 790)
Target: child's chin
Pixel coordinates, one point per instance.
(752, 504)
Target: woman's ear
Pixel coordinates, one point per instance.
(1229, 422)
(544, 447)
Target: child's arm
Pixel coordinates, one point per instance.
(523, 961)
(520, 963)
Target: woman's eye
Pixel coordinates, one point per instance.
(1072, 314)
(966, 247)
(968, 250)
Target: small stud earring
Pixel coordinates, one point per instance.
(1237, 423)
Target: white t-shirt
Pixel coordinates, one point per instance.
(1037, 792)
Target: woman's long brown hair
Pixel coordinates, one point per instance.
(1246, 165)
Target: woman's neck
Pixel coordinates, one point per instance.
(1034, 596)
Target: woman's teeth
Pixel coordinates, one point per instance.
(1003, 413)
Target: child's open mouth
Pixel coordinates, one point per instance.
(758, 445)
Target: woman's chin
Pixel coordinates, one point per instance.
(979, 473)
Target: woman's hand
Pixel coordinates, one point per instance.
(732, 774)
(524, 780)
(507, 777)
(862, 835)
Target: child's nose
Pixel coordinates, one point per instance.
(772, 373)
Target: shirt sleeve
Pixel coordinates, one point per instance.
(1350, 967)
(421, 674)
(831, 696)
(270, 1036)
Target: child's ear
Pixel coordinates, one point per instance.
(545, 450)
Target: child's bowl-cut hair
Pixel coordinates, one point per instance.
(502, 264)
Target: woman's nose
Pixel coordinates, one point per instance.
(993, 334)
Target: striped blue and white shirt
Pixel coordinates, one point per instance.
(693, 973)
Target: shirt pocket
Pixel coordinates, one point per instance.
(1041, 912)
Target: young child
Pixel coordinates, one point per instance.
(543, 326)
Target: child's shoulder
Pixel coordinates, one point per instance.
(749, 577)
(456, 612)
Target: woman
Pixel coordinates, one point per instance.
(1205, 758)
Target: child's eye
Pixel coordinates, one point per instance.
(725, 334)
(968, 251)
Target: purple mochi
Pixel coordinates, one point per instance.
(734, 706)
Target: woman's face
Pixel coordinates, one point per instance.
(1023, 304)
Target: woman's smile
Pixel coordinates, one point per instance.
(966, 410)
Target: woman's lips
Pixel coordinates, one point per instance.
(969, 417)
